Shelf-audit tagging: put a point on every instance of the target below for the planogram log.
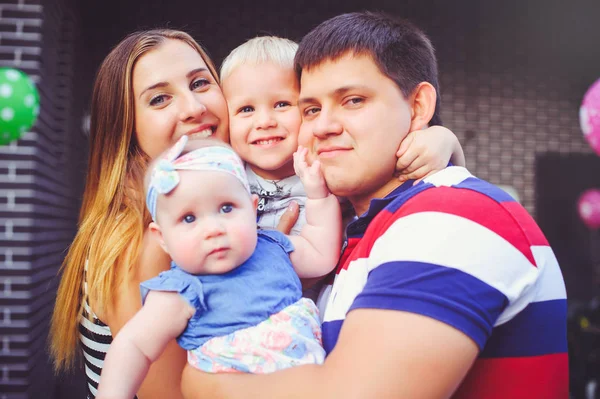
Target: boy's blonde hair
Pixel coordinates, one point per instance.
(260, 50)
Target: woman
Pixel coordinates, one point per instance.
(131, 123)
(154, 87)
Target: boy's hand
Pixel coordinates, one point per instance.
(311, 176)
(424, 152)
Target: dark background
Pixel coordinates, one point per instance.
(513, 74)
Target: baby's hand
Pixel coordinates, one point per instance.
(424, 152)
(311, 176)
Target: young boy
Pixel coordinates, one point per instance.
(261, 88)
(446, 288)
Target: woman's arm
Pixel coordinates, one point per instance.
(163, 317)
(164, 376)
(423, 152)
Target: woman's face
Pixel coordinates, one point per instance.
(175, 94)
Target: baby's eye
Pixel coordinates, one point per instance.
(189, 219)
(246, 108)
(226, 208)
(282, 104)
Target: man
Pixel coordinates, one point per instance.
(446, 287)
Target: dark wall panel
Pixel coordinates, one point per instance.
(40, 183)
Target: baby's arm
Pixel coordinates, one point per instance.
(317, 248)
(423, 152)
(163, 317)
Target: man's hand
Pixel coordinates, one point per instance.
(379, 354)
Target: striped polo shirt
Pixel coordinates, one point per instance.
(462, 251)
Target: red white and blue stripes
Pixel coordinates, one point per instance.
(462, 251)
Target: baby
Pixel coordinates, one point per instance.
(232, 297)
(262, 89)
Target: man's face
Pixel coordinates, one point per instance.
(353, 120)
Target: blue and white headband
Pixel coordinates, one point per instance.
(213, 158)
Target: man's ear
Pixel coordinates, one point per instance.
(423, 106)
(156, 233)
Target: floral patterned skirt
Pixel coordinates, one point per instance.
(289, 338)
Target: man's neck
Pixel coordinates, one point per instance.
(361, 203)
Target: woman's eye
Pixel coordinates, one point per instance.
(189, 219)
(158, 100)
(282, 104)
(199, 83)
(246, 109)
(226, 208)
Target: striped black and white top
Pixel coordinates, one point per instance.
(95, 337)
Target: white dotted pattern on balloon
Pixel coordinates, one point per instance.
(12, 75)
(6, 90)
(586, 210)
(584, 121)
(7, 114)
(29, 100)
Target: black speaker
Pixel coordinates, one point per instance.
(560, 180)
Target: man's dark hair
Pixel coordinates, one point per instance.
(401, 51)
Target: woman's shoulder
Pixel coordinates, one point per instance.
(125, 298)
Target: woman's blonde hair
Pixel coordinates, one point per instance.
(113, 216)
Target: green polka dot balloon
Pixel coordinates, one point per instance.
(19, 104)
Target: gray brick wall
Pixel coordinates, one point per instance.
(511, 85)
(38, 197)
(505, 121)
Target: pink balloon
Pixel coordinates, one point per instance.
(589, 208)
(589, 116)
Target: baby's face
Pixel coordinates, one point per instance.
(208, 222)
(264, 119)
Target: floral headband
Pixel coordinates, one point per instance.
(213, 158)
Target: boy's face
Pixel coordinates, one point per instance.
(208, 223)
(353, 120)
(264, 117)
